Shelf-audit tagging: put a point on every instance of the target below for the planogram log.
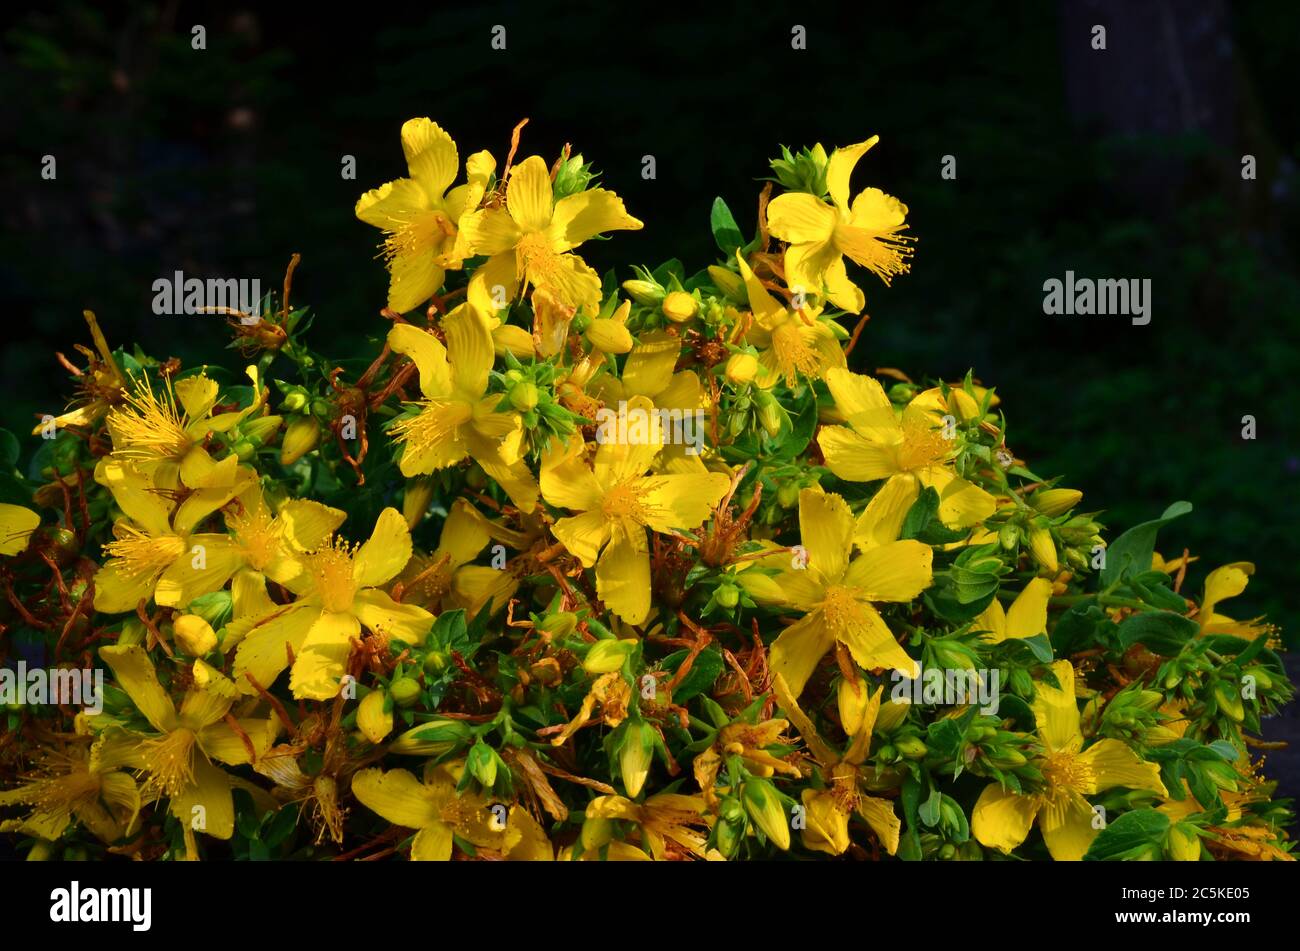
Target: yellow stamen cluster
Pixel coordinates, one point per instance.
(169, 761)
(330, 566)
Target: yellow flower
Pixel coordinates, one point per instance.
(456, 419)
(16, 526)
(664, 818)
(338, 592)
(869, 231)
(836, 594)
(792, 343)
(1002, 819)
(427, 579)
(155, 552)
(531, 240)
(178, 759)
(163, 433)
(828, 809)
(419, 215)
(617, 502)
(907, 448)
(83, 781)
(98, 389)
(438, 812)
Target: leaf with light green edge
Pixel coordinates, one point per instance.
(725, 230)
(930, 809)
(1161, 632)
(706, 668)
(1131, 552)
(1136, 834)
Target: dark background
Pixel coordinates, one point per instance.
(1122, 163)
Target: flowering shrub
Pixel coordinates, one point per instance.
(575, 569)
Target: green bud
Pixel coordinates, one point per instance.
(405, 691)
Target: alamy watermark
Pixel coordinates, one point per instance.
(949, 687)
(178, 295)
(1104, 297)
(57, 686)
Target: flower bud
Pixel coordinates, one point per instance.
(607, 656)
(1054, 502)
(634, 756)
(680, 307)
(405, 691)
(194, 634)
(763, 804)
(1183, 844)
(609, 336)
(1043, 548)
(300, 438)
(516, 341)
(416, 499)
(827, 828)
(741, 368)
(644, 292)
(296, 400)
(524, 395)
(482, 764)
(851, 698)
(431, 739)
(374, 716)
(729, 282)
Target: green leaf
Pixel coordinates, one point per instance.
(725, 230)
(704, 671)
(1133, 835)
(1162, 632)
(1130, 554)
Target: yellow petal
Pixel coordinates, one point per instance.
(1056, 710)
(1067, 825)
(463, 534)
(396, 796)
(263, 652)
(321, 663)
(826, 532)
(429, 356)
(1115, 764)
(623, 573)
(682, 502)
(206, 805)
(1001, 819)
(432, 843)
(872, 643)
(379, 612)
(799, 648)
(895, 571)
(882, 519)
(651, 363)
(393, 205)
(206, 567)
(372, 719)
(961, 503)
(798, 218)
(766, 308)
(880, 816)
(581, 217)
(135, 674)
(529, 196)
(309, 524)
(840, 168)
(469, 346)
(864, 404)
(430, 155)
(491, 231)
(854, 458)
(1028, 614)
(1225, 582)
(16, 526)
(386, 553)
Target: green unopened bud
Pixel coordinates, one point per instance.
(295, 401)
(482, 764)
(741, 368)
(1009, 536)
(431, 739)
(245, 449)
(644, 292)
(607, 656)
(405, 691)
(634, 755)
(911, 747)
(259, 431)
(729, 282)
(764, 806)
(769, 412)
(524, 395)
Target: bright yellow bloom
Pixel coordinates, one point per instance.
(338, 590)
(163, 433)
(177, 760)
(155, 552)
(1002, 819)
(530, 241)
(438, 812)
(456, 418)
(828, 809)
(869, 231)
(617, 502)
(908, 448)
(836, 594)
(792, 343)
(83, 781)
(427, 579)
(420, 216)
(16, 526)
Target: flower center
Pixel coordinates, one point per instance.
(843, 610)
(255, 532)
(1066, 771)
(793, 355)
(331, 568)
(922, 446)
(150, 427)
(143, 556)
(428, 232)
(435, 425)
(169, 760)
(624, 501)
